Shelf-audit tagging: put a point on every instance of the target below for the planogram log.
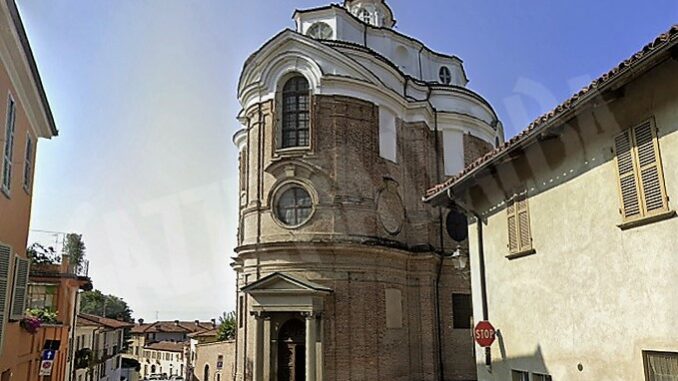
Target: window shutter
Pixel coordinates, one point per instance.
(649, 171)
(628, 187)
(512, 228)
(20, 288)
(523, 224)
(5, 257)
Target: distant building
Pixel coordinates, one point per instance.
(343, 273)
(25, 117)
(162, 347)
(211, 360)
(574, 236)
(97, 348)
(167, 358)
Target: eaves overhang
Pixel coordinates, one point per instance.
(660, 49)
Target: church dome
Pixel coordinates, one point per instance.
(374, 12)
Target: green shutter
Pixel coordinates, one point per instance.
(5, 257)
(628, 185)
(20, 293)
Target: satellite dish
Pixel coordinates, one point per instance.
(457, 225)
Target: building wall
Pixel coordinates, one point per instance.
(84, 336)
(19, 351)
(15, 210)
(208, 355)
(165, 362)
(593, 296)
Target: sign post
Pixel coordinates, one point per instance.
(46, 367)
(47, 363)
(484, 333)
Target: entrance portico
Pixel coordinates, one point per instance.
(288, 328)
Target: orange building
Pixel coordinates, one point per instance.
(25, 116)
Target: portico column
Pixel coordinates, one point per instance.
(258, 346)
(311, 322)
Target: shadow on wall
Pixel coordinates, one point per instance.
(510, 368)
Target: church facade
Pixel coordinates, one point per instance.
(343, 273)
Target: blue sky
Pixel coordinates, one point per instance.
(143, 93)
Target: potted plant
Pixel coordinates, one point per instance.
(31, 324)
(36, 317)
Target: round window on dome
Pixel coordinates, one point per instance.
(293, 206)
(320, 31)
(445, 75)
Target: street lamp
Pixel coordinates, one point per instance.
(459, 260)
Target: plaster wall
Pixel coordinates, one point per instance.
(593, 294)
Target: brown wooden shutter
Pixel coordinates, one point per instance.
(5, 257)
(512, 227)
(628, 186)
(649, 169)
(524, 235)
(20, 293)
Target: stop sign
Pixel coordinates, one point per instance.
(484, 333)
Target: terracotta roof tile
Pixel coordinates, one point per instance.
(662, 41)
(93, 320)
(168, 346)
(172, 327)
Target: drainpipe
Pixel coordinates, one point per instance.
(365, 35)
(421, 70)
(74, 323)
(483, 285)
(441, 252)
(481, 268)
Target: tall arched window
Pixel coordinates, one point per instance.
(206, 373)
(295, 115)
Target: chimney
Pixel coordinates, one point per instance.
(214, 323)
(176, 322)
(141, 321)
(197, 322)
(65, 264)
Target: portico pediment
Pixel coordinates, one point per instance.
(279, 292)
(281, 283)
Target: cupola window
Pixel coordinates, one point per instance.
(445, 75)
(320, 31)
(365, 16)
(295, 113)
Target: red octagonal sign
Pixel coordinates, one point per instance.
(484, 333)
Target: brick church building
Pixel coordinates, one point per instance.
(343, 272)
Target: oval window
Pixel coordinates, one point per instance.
(320, 31)
(445, 75)
(294, 206)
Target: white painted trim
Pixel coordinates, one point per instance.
(21, 76)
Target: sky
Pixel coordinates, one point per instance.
(144, 96)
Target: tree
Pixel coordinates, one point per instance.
(74, 247)
(227, 327)
(41, 255)
(109, 306)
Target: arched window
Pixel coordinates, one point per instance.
(206, 373)
(445, 75)
(365, 16)
(295, 115)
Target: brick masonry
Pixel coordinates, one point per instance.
(346, 247)
(474, 148)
